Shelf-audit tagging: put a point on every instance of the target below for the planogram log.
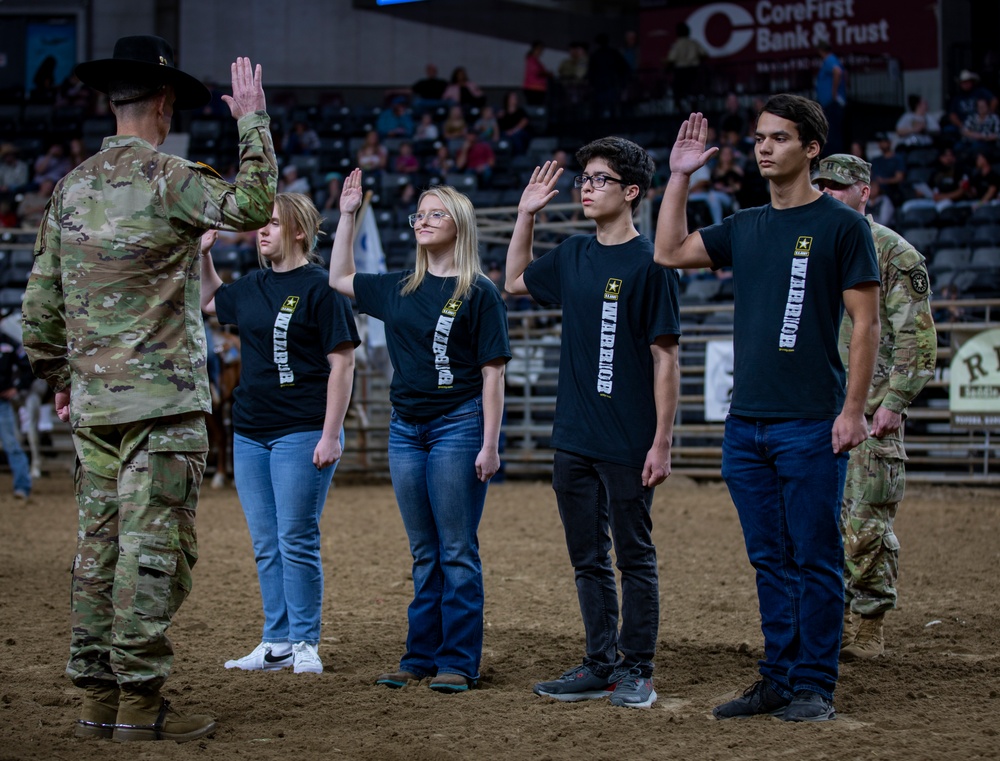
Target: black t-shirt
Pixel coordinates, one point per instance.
(289, 322)
(437, 344)
(616, 302)
(790, 269)
(983, 182)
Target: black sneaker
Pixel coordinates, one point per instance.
(809, 706)
(759, 698)
(576, 684)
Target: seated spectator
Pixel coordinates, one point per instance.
(700, 189)
(573, 69)
(290, 181)
(302, 140)
(52, 165)
(8, 217)
(13, 171)
(984, 183)
(405, 162)
(486, 126)
(733, 122)
(75, 94)
(426, 129)
(428, 93)
(463, 91)
(727, 175)
(889, 168)
(31, 210)
(951, 313)
(77, 152)
(880, 206)
(982, 129)
(963, 104)
(454, 125)
(947, 185)
(396, 120)
(441, 162)
(372, 155)
(917, 127)
(515, 126)
(476, 157)
(331, 200)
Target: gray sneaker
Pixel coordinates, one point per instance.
(578, 683)
(633, 690)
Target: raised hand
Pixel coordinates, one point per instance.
(689, 153)
(351, 194)
(248, 93)
(541, 188)
(208, 240)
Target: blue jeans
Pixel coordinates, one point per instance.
(283, 494)
(16, 458)
(595, 497)
(433, 467)
(787, 485)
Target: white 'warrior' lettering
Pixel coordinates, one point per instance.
(793, 308)
(285, 375)
(606, 356)
(441, 361)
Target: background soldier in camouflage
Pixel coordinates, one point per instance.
(875, 473)
(112, 322)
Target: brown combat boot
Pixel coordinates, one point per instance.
(148, 716)
(850, 628)
(868, 642)
(100, 711)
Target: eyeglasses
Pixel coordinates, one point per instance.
(598, 181)
(433, 217)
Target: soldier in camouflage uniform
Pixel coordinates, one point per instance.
(875, 472)
(112, 322)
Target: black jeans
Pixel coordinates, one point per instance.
(594, 497)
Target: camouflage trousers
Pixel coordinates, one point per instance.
(872, 493)
(137, 488)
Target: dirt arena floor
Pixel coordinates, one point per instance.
(935, 695)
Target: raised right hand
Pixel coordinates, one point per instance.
(689, 153)
(248, 93)
(351, 194)
(541, 188)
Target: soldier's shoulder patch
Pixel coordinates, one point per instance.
(203, 167)
(919, 281)
(905, 257)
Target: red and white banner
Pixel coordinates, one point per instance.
(771, 30)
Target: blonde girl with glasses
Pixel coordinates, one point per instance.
(446, 333)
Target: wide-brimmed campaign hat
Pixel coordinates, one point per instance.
(144, 60)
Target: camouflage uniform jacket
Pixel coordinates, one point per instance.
(112, 307)
(908, 344)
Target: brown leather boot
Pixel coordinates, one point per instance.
(148, 716)
(868, 642)
(850, 628)
(397, 679)
(100, 711)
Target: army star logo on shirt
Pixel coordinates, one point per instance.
(613, 289)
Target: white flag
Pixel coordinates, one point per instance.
(369, 257)
(368, 254)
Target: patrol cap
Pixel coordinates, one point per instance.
(144, 60)
(844, 169)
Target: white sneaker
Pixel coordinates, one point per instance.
(264, 657)
(306, 659)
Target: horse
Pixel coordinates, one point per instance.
(226, 347)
